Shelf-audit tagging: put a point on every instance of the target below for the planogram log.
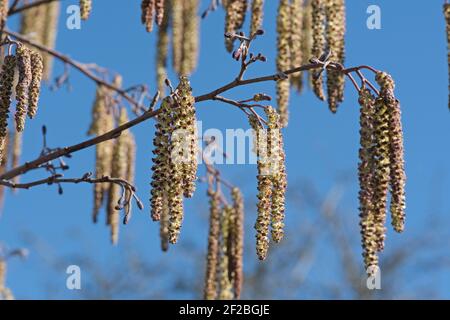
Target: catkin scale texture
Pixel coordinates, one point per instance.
(319, 42)
(257, 16)
(7, 81)
(22, 88)
(296, 53)
(37, 69)
(210, 290)
(235, 11)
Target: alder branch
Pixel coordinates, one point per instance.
(83, 68)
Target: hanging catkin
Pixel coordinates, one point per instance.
(23, 85)
(160, 9)
(265, 186)
(85, 9)
(37, 69)
(164, 222)
(237, 241)
(210, 291)
(49, 33)
(447, 20)
(3, 13)
(283, 58)
(4, 163)
(177, 34)
(118, 170)
(277, 174)
(335, 34)
(366, 179)
(397, 171)
(225, 285)
(257, 16)
(162, 50)
(16, 152)
(381, 178)
(235, 11)
(185, 112)
(307, 40)
(190, 37)
(5, 293)
(319, 42)
(296, 52)
(147, 11)
(130, 172)
(7, 80)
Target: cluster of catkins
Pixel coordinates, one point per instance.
(381, 167)
(272, 181)
(224, 266)
(85, 9)
(181, 17)
(328, 36)
(114, 159)
(5, 292)
(175, 161)
(39, 24)
(27, 90)
(447, 20)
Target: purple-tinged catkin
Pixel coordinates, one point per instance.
(37, 69)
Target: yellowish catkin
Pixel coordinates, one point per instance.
(160, 11)
(118, 170)
(177, 33)
(397, 170)
(3, 13)
(147, 11)
(85, 9)
(318, 35)
(162, 51)
(23, 85)
(257, 16)
(307, 40)
(185, 112)
(7, 81)
(382, 166)
(5, 293)
(366, 179)
(335, 34)
(225, 285)
(297, 12)
(16, 152)
(283, 58)
(37, 69)
(3, 167)
(265, 186)
(277, 175)
(190, 37)
(164, 223)
(235, 11)
(447, 20)
(237, 241)
(49, 33)
(130, 172)
(210, 290)
(161, 159)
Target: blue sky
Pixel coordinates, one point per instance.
(320, 146)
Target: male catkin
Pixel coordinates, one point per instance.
(147, 11)
(49, 33)
(23, 85)
(235, 11)
(296, 52)
(318, 48)
(225, 285)
(7, 81)
(283, 58)
(257, 16)
(85, 9)
(37, 69)
(162, 52)
(237, 237)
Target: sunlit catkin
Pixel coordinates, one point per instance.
(397, 171)
(162, 50)
(277, 174)
(5, 292)
(335, 34)
(130, 172)
(37, 69)
(7, 80)
(147, 11)
(177, 33)
(210, 290)
(447, 20)
(296, 52)
(159, 11)
(237, 241)
(225, 285)
(3, 13)
(319, 42)
(265, 185)
(235, 11)
(118, 170)
(164, 222)
(85, 9)
(366, 172)
(190, 37)
(257, 16)
(382, 163)
(283, 58)
(307, 40)
(23, 85)
(187, 134)
(49, 33)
